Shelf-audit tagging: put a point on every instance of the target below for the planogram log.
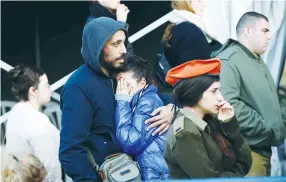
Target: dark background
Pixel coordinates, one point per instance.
(60, 25)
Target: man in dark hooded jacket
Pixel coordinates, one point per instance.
(117, 11)
(87, 100)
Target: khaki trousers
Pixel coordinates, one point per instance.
(260, 165)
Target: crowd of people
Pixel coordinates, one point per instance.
(222, 122)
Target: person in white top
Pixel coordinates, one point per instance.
(29, 131)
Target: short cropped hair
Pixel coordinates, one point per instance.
(248, 18)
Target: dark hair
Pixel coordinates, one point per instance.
(23, 78)
(248, 18)
(189, 91)
(139, 67)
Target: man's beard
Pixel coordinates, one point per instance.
(110, 65)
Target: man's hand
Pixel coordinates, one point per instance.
(164, 119)
(122, 12)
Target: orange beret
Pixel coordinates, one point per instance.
(192, 69)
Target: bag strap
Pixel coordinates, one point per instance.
(112, 155)
(92, 161)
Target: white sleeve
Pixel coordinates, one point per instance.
(46, 147)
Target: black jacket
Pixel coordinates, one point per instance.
(187, 43)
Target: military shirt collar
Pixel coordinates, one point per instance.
(194, 118)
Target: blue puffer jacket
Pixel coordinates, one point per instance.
(131, 132)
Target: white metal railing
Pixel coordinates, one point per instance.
(63, 80)
(150, 27)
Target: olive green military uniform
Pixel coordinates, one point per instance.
(191, 151)
(247, 84)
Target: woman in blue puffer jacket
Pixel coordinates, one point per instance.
(136, 99)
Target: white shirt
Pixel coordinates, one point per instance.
(29, 131)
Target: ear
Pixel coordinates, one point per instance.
(32, 91)
(247, 31)
(143, 82)
(118, 77)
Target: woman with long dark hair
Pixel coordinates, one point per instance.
(204, 140)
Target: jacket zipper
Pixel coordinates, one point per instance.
(112, 85)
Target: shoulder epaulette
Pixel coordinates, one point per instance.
(179, 125)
